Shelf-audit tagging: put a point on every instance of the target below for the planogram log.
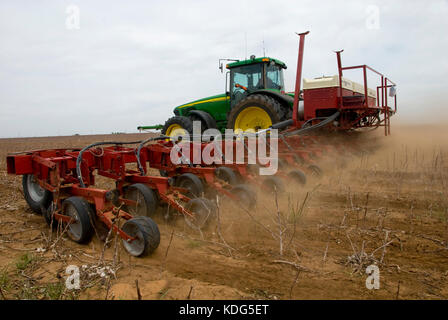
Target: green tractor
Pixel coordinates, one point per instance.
(256, 100)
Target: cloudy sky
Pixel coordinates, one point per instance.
(131, 62)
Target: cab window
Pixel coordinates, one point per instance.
(274, 77)
(249, 76)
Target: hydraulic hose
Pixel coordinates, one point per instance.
(139, 148)
(314, 127)
(79, 158)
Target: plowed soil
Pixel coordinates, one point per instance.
(385, 206)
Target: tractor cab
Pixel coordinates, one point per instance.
(254, 74)
(254, 99)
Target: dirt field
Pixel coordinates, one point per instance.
(388, 208)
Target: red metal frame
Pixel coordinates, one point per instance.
(383, 87)
(55, 171)
(295, 112)
(355, 111)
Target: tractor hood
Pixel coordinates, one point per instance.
(215, 98)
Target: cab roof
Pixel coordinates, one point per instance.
(253, 61)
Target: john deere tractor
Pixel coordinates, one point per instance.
(256, 100)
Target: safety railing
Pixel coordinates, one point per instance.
(382, 90)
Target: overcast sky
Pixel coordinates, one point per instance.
(131, 62)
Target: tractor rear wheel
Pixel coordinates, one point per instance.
(255, 112)
(177, 126)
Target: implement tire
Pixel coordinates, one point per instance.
(37, 198)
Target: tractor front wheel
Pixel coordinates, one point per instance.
(177, 126)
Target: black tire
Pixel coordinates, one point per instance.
(192, 183)
(146, 198)
(182, 121)
(226, 174)
(79, 209)
(273, 108)
(273, 184)
(315, 170)
(298, 176)
(37, 198)
(207, 121)
(147, 235)
(246, 196)
(163, 173)
(298, 159)
(204, 211)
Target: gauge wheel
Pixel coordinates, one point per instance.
(192, 183)
(80, 229)
(273, 184)
(146, 234)
(203, 211)
(246, 196)
(37, 198)
(145, 198)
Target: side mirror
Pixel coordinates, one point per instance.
(392, 91)
(221, 67)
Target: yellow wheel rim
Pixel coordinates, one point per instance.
(175, 130)
(252, 119)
